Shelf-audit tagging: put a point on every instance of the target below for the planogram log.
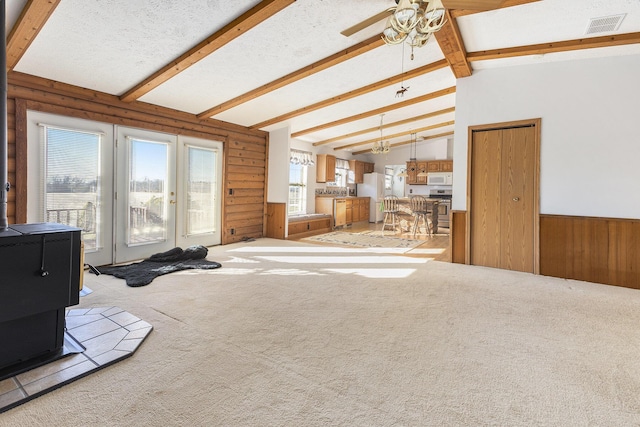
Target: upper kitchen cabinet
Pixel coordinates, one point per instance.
(368, 167)
(412, 171)
(357, 167)
(440, 166)
(325, 168)
(421, 172)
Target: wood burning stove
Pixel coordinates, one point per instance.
(39, 277)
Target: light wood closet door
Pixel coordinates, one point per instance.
(503, 198)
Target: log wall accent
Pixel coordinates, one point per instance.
(245, 150)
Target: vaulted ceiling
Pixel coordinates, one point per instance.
(274, 63)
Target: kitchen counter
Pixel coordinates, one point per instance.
(345, 210)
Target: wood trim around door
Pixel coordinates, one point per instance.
(536, 123)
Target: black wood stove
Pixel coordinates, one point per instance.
(39, 277)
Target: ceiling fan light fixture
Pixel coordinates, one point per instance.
(414, 20)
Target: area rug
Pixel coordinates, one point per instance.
(364, 240)
(142, 273)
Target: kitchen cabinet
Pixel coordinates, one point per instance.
(349, 211)
(325, 168)
(344, 210)
(356, 210)
(440, 166)
(412, 171)
(357, 167)
(368, 167)
(422, 167)
(364, 208)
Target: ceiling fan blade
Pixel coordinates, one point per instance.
(367, 22)
(472, 4)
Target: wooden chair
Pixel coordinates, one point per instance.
(391, 207)
(419, 209)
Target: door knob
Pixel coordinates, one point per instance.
(516, 199)
(172, 202)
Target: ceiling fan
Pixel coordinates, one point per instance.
(468, 5)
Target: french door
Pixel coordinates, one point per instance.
(199, 192)
(70, 163)
(145, 196)
(132, 192)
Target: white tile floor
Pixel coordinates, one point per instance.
(109, 335)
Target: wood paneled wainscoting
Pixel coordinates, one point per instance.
(599, 250)
(245, 150)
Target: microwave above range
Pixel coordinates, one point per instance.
(440, 178)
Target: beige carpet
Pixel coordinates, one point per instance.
(295, 334)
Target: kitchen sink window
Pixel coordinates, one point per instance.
(342, 174)
(298, 165)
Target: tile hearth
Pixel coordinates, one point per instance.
(109, 335)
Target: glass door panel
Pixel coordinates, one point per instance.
(145, 220)
(200, 176)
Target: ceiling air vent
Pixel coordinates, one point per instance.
(604, 24)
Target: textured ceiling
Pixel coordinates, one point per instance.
(112, 45)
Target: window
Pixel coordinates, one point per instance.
(299, 160)
(71, 165)
(342, 173)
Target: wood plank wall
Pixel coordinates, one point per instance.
(245, 150)
(599, 250)
(276, 220)
(457, 236)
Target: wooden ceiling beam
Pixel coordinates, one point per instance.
(390, 125)
(472, 4)
(398, 144)
(245, 22)
(323, 64)
(397, 135)
(32, 18)
(355, 93)
(564, 46)
(377, 111)
(452, 47)
(456, 13)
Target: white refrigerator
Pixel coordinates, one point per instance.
(373, 187)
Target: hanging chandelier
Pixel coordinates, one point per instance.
(380, 147)
(415, 20)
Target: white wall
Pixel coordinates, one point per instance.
(278, 179)
(590, 150)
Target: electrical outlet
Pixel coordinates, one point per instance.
(411, 191)
(233, 231)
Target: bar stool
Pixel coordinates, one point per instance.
(419, 209)
(390, 206)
